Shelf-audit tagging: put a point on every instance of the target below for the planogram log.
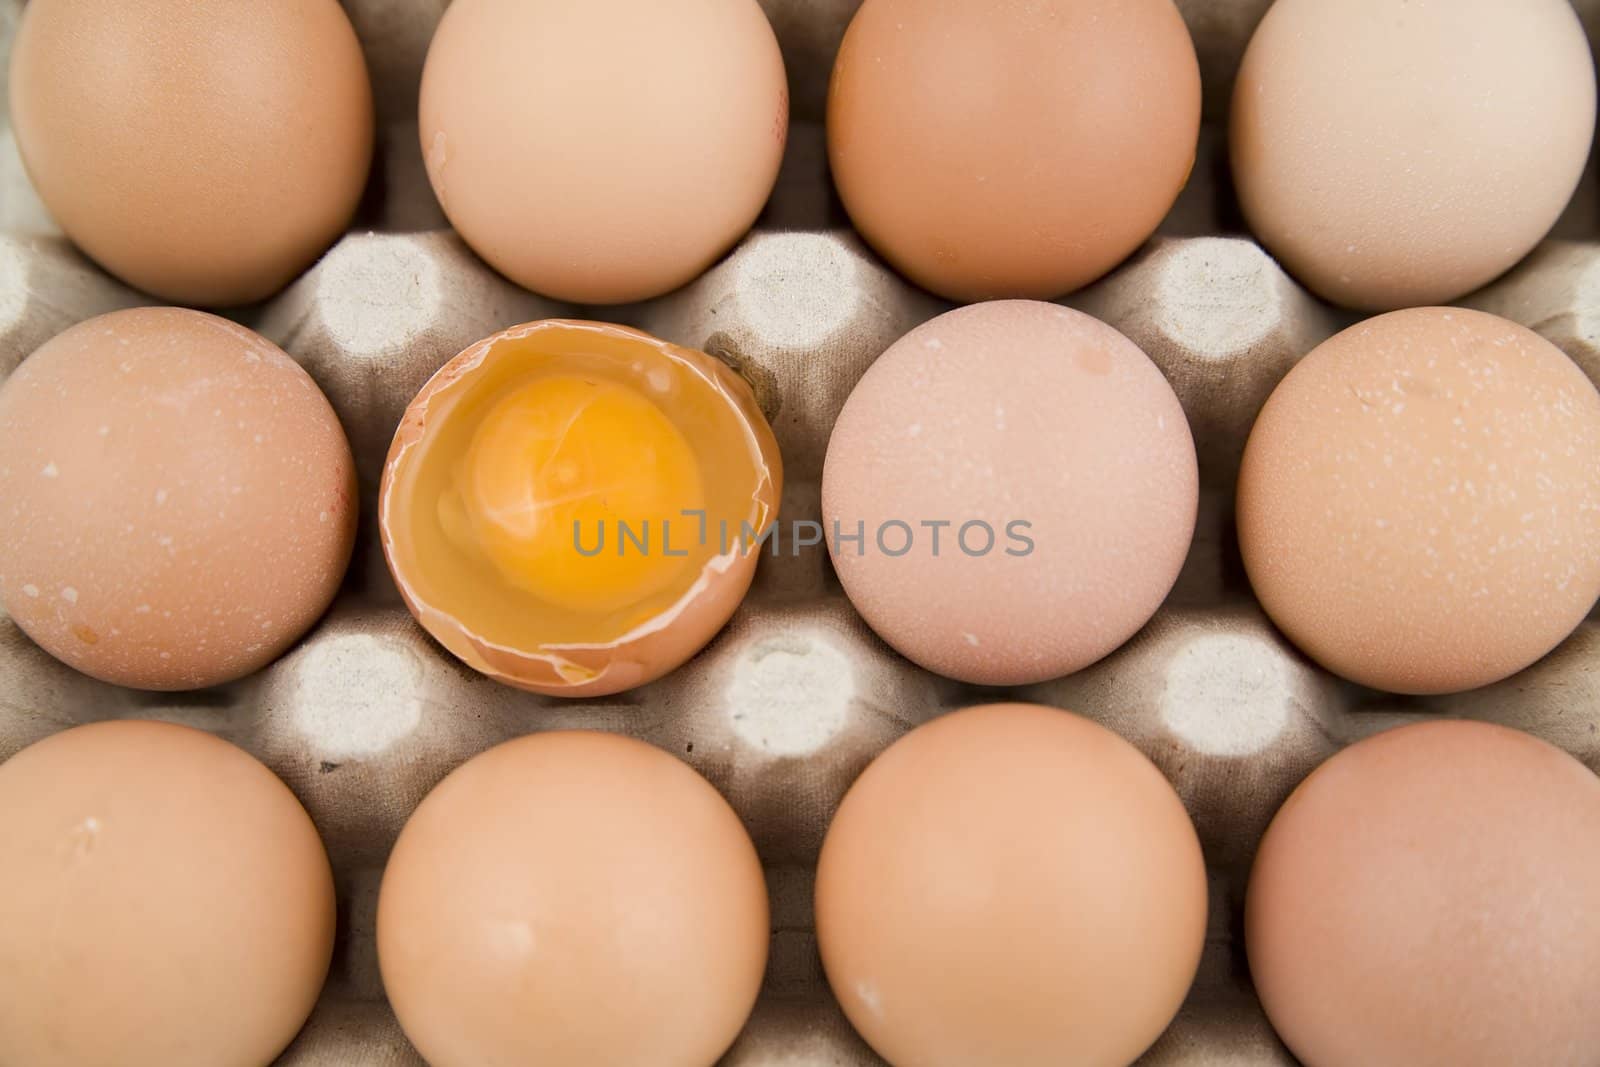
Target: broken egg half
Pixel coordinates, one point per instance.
(576, 508)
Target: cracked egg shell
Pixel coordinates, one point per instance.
(564, 503)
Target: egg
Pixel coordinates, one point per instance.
(1426, 898)
(607, 151)
(1398, 153)
(166, 902)
(1010, 492)
(573, 898)
(1011, 884)
(577, 508)
(1419, 501)
(177, 499)
(205, 153)
(1012, 148)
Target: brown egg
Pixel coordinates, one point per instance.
(1012, 148)
(1011, 884)
(177, 499)
(569, 899)
(166, 903)
(574, 507)
(1419, 503)
(1427, 898)
(1010, 492)
(206, 153)
(1396, 153)
(606, 151)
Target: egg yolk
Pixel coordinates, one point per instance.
(575, 490)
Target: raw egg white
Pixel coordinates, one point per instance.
(573, 507)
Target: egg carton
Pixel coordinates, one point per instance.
(796, 696)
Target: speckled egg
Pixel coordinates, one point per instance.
(177, 499)
(1419, 504)
(1010, 492)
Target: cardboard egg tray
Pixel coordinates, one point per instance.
(793, 699)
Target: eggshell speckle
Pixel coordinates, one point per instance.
(177, 499)
(1048, 428)
(1419, 503)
